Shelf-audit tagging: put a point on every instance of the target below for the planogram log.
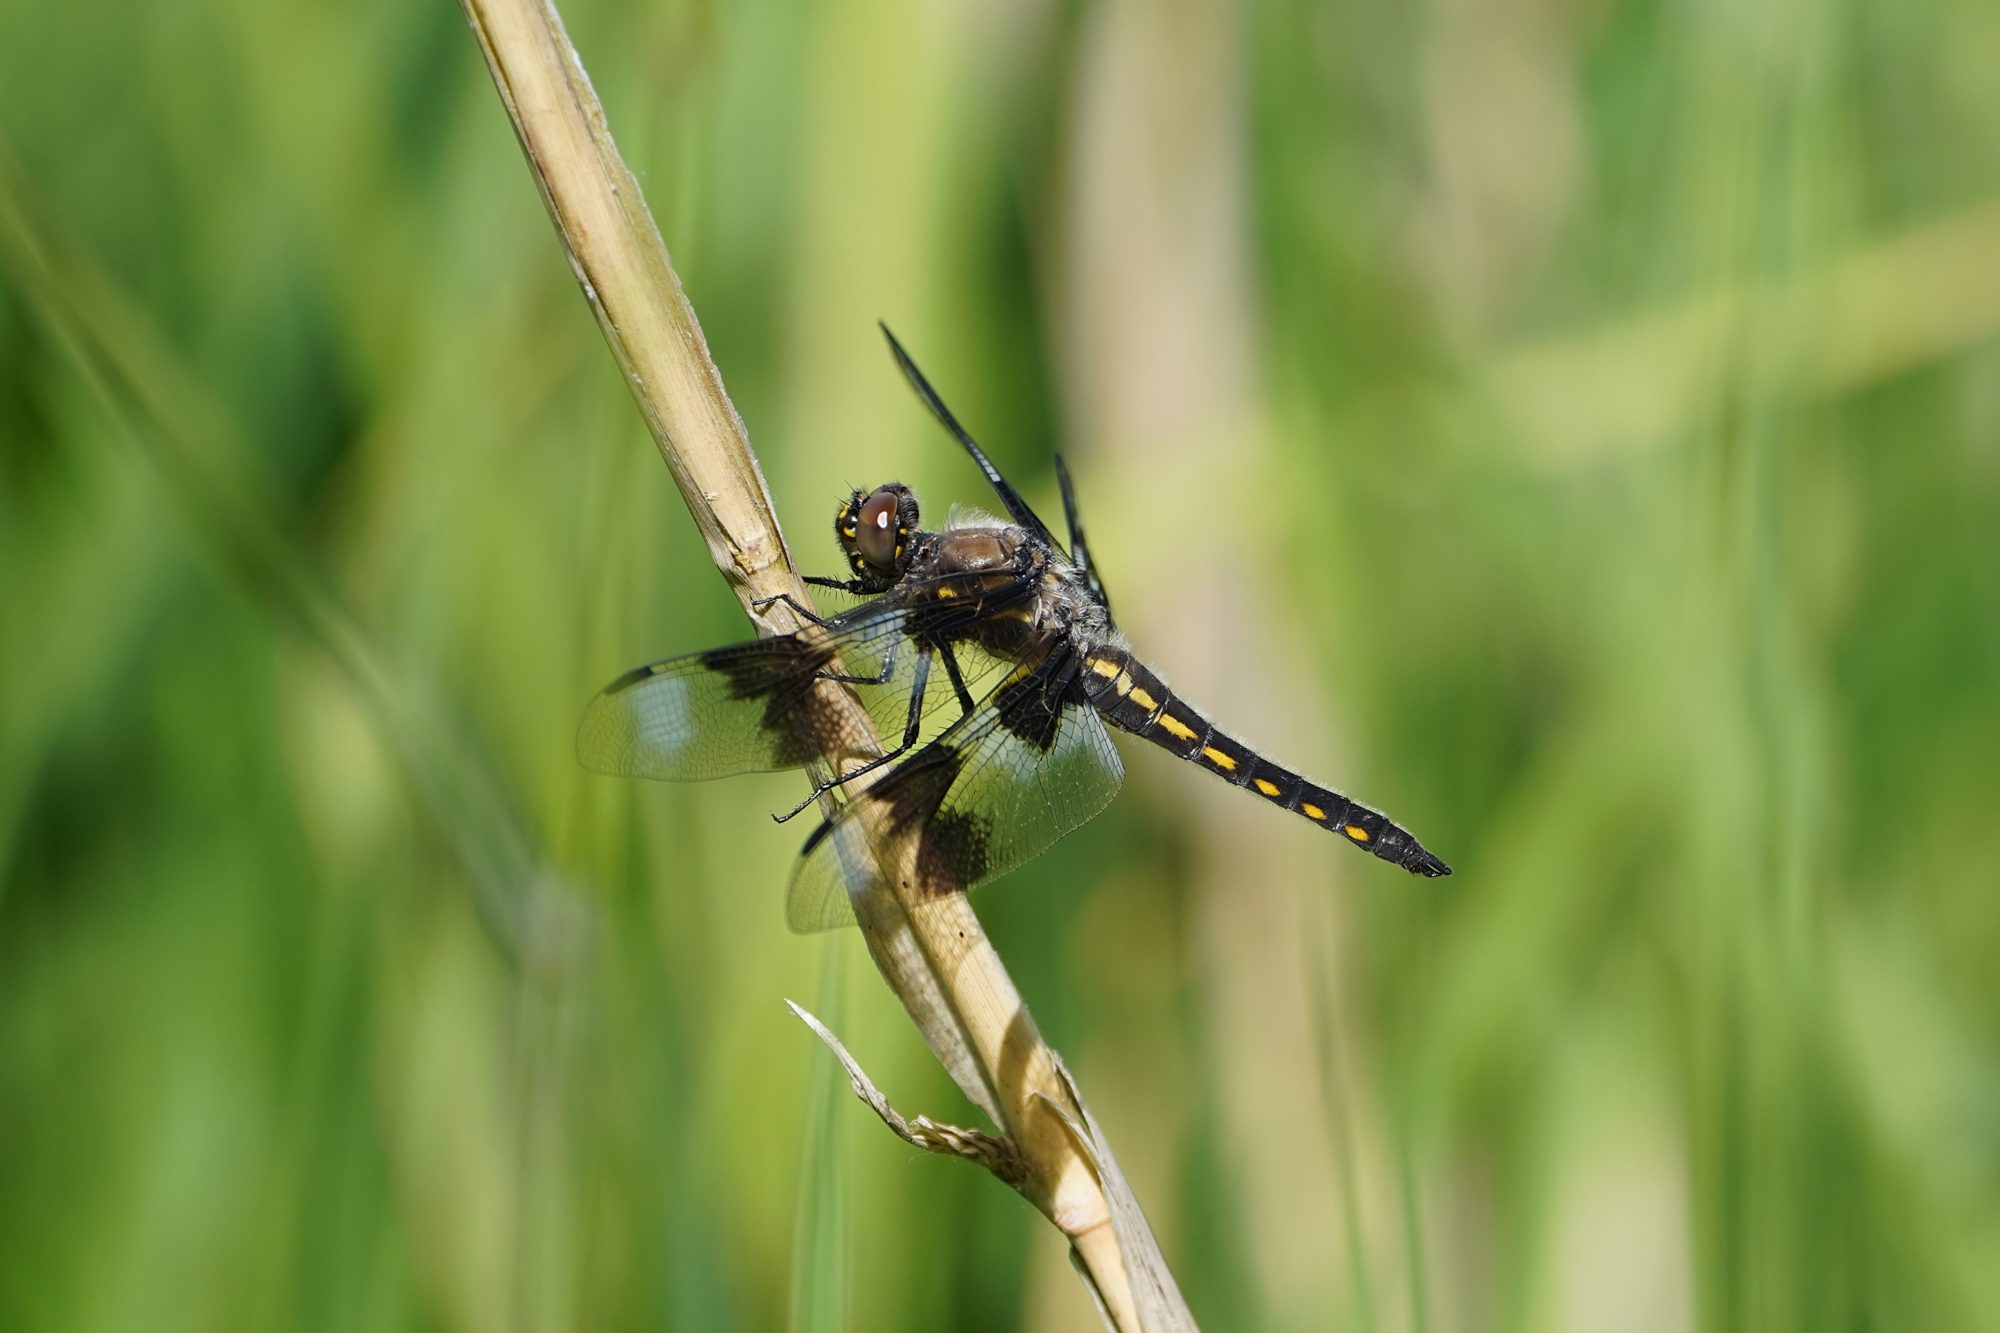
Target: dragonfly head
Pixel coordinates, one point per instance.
(874, 531)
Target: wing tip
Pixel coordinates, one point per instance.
(588, 745)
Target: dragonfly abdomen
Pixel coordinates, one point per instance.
(1133, 698)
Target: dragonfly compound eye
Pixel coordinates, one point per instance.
(883, 525)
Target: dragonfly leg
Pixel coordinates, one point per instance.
(760, 603)
(855, 586)
(957, 680)
(879, 678)
(919, 678)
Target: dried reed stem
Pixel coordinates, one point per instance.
(924, 937)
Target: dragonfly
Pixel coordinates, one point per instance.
(987, 651)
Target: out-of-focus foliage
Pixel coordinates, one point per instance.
(1573, 426)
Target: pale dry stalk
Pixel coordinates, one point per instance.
(928, 944)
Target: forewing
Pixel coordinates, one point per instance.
(985, 797)
(745, 708)
(750, 707)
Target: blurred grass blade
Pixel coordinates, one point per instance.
(190, 439)
(1334, 1096)
(819, 1299)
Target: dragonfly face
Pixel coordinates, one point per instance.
(996, 761)
(874, 532)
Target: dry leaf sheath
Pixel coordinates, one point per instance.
(924, 938)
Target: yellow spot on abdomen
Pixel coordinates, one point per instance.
(1172, 725)
(1143, 699)
(1104, 667)
(1356, 832)
(946, 590)
(1123, 684)
(1268, 788)
(1222, 761)
(1312, 811)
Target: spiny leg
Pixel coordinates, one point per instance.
(879, 678)
(855, 586)
(919, 678)
(888, 653)
(801, 612)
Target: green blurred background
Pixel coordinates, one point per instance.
(1570, 425)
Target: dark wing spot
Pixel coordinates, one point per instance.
(951, 851)
(1030, 710)
(951, 844)
(1031, 704)
(783, 677)
(918, 786)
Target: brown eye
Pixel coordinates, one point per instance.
(881, 535)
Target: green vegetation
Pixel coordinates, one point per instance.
(1571, 428)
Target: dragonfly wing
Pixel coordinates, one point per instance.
(745, 708)
(988, 795)
(751, 707)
